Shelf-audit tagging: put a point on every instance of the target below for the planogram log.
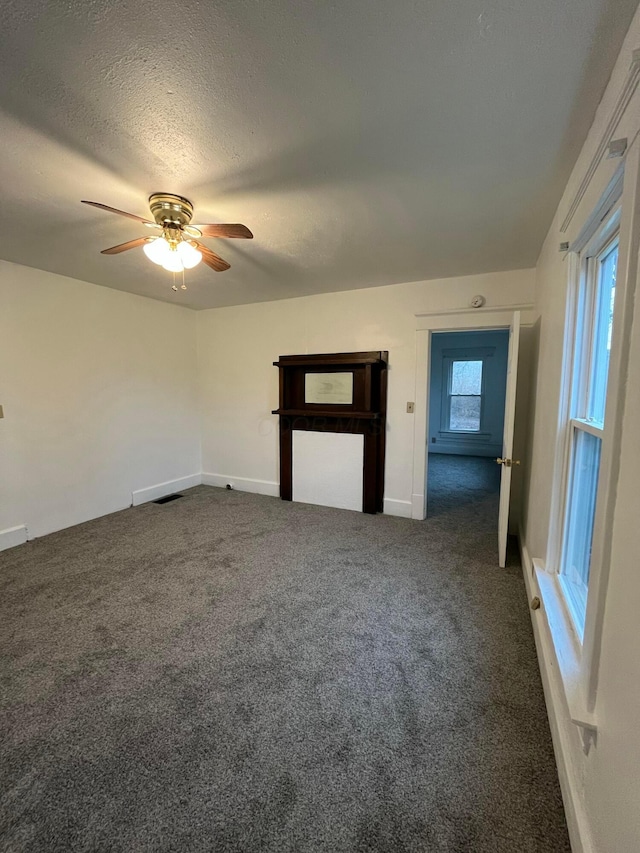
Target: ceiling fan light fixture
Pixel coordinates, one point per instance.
(157, 250)
(172, 262)
(189, 255)
(175, 248)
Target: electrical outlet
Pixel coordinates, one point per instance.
(410, 408)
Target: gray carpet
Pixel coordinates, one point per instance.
(229, 672)
(454, 481)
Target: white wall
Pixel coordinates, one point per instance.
(239, 385)
(601, 787)
(100, 398)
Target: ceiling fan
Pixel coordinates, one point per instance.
(177, 248)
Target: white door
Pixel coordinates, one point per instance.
(506, 460)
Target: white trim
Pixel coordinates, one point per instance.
(160, 490)
(475, 318)
(392, 506)
(563, 433)
(626, 288)
(603, 209)
(12, 536)
(242, 484)
(402, 509)
(587, 426)
(566, 646)
(628, 272)
(449, 357)
(417, 502)
(463, 319)
(420, 424)
(486, 309)
(562, 732)
(626, 93)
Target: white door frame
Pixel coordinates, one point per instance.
(476, 319)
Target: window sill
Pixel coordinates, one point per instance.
(459, 433)
(566, 647)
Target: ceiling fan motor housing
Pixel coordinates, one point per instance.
(170, 209)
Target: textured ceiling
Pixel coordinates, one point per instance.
(364, 142)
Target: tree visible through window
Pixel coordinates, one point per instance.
(465, 396)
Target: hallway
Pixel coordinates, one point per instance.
(457, 482)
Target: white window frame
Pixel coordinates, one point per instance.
(449, 361)
(585, 275)
(578, 662)
(450, 355)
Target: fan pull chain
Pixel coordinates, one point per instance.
(174, 286)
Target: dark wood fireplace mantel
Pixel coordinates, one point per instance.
(364, 414)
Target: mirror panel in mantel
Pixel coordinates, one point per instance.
(340, 393)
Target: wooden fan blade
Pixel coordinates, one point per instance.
(225, 231)
(123, 247)
(215, 262)
(119, 212)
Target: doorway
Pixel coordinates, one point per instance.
(455, 321)
(466, 404)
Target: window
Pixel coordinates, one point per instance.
(586, 423)
(465, 395)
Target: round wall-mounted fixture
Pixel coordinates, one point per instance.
(478, 301)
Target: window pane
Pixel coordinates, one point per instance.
(465, 413)
(602, 334)
(466, 377)
(580, 517)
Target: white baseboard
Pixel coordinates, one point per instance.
(417, 507)
(271, 488)
(152, 493)
(13, 536)
(242, 484)
(395, 507)
(564, 733)
(459, 448)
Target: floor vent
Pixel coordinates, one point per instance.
(167, 499)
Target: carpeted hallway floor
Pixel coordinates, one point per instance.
(229, 672)
(455, 481)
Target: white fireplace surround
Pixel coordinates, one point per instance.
(328, 468)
